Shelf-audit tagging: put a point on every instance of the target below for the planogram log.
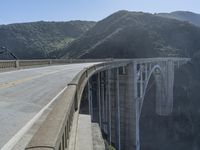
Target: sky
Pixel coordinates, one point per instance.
(17, 11)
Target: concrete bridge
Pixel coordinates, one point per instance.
(109, 93)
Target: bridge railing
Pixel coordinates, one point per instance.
(43, 62)
(7, 64)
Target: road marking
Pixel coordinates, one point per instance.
(15, 139)
(16, 82)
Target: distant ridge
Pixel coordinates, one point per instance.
(37, 39)
(191, 17)
(127, 34)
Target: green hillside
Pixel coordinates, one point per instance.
(183, 16)
(38, 39)
(135, 34)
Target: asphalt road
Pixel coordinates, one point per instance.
(23, 93)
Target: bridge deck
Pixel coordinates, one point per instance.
(24, 93)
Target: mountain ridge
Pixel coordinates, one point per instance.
(193, 18)
(38, 39)
(124, 33)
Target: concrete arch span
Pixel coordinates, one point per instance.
(162, 108)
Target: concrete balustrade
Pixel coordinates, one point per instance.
(44, 62)
(8, 63)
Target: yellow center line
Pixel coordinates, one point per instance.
(16, 82)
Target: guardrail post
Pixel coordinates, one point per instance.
(17, 64)
(50, 61)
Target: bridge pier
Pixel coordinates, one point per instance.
(120, 92)
(131, 109)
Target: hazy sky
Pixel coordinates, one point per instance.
(12, 11)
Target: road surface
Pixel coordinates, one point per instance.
(24, 93)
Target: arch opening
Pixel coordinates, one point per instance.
(154, 123)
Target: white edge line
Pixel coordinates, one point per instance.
(15, 139)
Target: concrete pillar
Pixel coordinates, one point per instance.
(164, 89)
(170, 86)
(146, 72)
(102, 101)
(113, 106)
(91, 101)
(160, 92)
(107, 103)
(90, 98)
(109, 106)
(132, 110)
(118, 137)
(141, 80)
(99, 97)
(123, 106)
(88, 95)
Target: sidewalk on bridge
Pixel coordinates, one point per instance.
(89, 135)
(84, 133)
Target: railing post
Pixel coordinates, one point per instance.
(50, 61)
(17, 64)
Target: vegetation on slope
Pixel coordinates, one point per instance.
(38, 39)
(135, 34)
(183, 16)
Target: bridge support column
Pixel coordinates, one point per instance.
(164, 89)
(118, 118)
(99, 97)
(108, 100)
(90, 98)
(132, 109)
(103, 108)
(114, 123)
(169, 86)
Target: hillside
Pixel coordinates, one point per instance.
(183, 16)
(37, 39)
(135, 34)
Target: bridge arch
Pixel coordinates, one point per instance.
(159, 77)
(153, 114)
